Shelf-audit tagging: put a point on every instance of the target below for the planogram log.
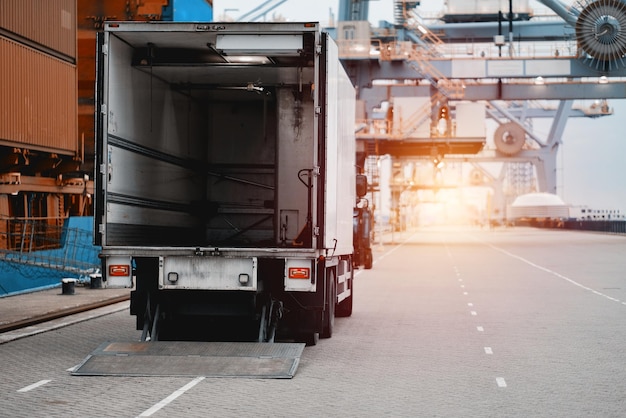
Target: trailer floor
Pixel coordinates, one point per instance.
(188, 358)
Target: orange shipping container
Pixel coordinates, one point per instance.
(38, 98)
(50, 24)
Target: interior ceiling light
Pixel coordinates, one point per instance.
(248, 59)
(267, 45)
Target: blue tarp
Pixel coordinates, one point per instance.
(76, 257)
(188, 11)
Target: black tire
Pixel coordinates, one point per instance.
(329, 312)
(369, 259)
(310, 338)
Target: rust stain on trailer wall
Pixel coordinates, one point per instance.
(38, 100)
(49, 24)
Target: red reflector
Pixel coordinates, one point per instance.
(299, 273)
(119, 270)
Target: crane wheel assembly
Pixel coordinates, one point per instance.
(601, 32)
(509, 138)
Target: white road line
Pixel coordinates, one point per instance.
(34, 385)
(470, 304)
(547, 270)
(473, 313)
(356, 273)
(500, 382)
(465, 293)
(173, 396)
(480, 329)
(393, 249)
(488, 350)
(61, 322)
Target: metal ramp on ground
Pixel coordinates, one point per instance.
(193, 359)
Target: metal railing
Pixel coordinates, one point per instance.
(609, 227)
(48, 243)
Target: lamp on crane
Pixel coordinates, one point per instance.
(444, 112)
(443, 121)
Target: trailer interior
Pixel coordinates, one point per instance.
(204, 130)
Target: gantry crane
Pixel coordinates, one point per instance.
(581, 58)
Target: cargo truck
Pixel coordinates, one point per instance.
(226, 181)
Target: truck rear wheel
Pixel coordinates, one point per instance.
(310, 339)
(369, 259)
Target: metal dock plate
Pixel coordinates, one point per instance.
(190, 358)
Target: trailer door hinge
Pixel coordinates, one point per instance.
(316, 231)
(105, 49)
(316, 170)
(100, 228)
(318, 110)
(103, 109)
(318, 49)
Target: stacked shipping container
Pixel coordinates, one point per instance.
(38, 78)
(38, 99)
(50, 24)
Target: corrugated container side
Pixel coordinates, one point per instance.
(50, 23)
(38, 99)
(86, 68)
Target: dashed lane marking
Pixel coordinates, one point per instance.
(474, 313)
(480, 329)
(34, 385)
(488, 350)
(500, 382)
(171, 398)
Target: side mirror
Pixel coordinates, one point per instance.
(361, 185)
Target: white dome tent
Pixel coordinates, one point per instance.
(538, 206)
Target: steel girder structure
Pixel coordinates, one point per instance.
(589, 73)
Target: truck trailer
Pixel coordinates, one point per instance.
(226, 181)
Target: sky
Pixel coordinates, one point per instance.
(592, 162)
(302, 10)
